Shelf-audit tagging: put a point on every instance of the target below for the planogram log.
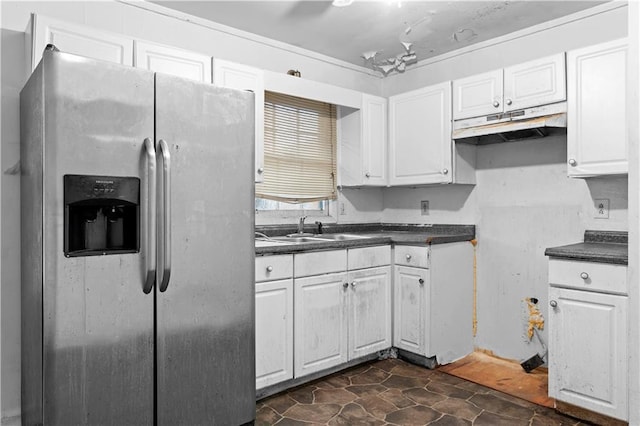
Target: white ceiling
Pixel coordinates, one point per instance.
(345, 33)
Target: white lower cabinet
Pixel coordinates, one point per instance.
(318, 310)
(341, 316)
(369, 311)
(433, 300)
(320, 336)
(588, 358)
(274, 319)
(410, 308)
(274, 332)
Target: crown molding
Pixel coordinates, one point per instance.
(172, 13)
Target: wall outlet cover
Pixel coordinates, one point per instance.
(424, 208)
(601, 208)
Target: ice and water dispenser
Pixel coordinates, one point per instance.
(101, 215)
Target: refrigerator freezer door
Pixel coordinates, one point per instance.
(205, 331)
(98, 323)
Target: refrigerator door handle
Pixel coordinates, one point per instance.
(166, 214)
(150, 229)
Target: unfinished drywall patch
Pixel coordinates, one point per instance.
(464, 34)
(534, 318)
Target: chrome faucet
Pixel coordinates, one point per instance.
(301, 225)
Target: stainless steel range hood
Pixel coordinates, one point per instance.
(529, 123)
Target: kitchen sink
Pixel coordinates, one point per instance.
(299, 239)
(269, 243)
(264, 241)
(342, 237)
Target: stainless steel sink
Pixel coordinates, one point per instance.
(342, 237)
(269, 242)
(263, 240)
(299, 239)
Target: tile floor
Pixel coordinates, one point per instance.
(394, 392)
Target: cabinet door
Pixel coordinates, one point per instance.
(596, 118)
(410, 304)
(588, 350)
(369, 311)
(242, 77)
(169, 60)
(478, 95)
(320, 335)
(274, 332)
(420, 143)
(534, 83)
(79, 40)
(374, 140)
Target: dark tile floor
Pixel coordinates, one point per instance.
(394, 392)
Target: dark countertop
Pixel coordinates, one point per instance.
(598, 246)
(376, 235)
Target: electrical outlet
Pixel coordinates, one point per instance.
(342, 208)
(601, 208)
(424, 208)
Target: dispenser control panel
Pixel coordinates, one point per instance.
(102, 215)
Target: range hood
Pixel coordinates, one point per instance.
(529, 123)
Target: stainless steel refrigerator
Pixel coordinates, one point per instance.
(137, 248)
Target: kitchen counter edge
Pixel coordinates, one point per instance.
(373, 239)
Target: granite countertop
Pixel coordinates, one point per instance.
(377, 234)
(598, 246)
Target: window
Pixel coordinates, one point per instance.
(299, 154)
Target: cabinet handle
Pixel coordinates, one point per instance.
(496, 104)
(573, 162)
(445, 171)
(421, 281)
(509, 101)
(260, 170)
(345, 285)
(584, 275)
(353, 284)
(368, 175)
(408, 257)
(553, 303)
(269, 268)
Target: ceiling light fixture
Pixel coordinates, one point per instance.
(341, 3)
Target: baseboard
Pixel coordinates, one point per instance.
(587, 415)
(11, 421)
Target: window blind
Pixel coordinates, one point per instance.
(299, 150)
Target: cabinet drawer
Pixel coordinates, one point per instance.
(412, 256)
(320, 262)
(274, 267)
(600, 277)
(369, 257)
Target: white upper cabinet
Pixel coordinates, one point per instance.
(534, 83)
(477, 95)
(362, 140)
(596, 116)
(538, 82)
(173, 61)
(79, 40)
(242, 77)
(420, 144)
(374, 140)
